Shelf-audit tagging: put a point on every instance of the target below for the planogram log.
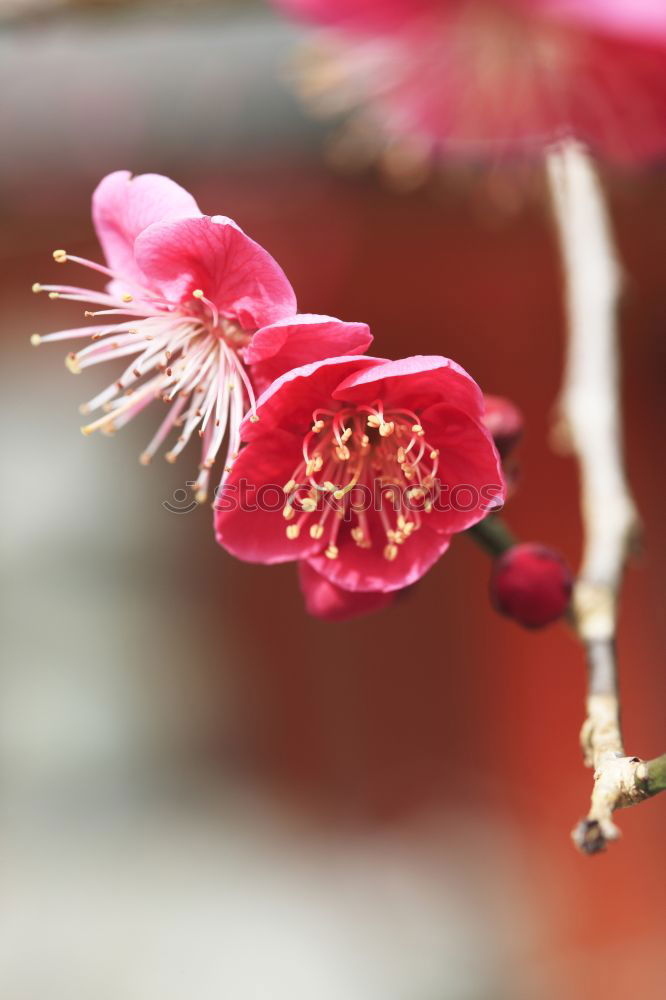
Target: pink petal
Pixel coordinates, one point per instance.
(213, 254)
(123, 206)
(243, 523)
(298, 340)
(364, 15)
(470, 470)
(333, 604)
(415, 383)
(290, 401)
(366, 569)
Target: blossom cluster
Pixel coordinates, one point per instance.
(206, 322)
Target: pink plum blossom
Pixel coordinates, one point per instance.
(197, 306)
(331, 603)
(364, 468)
(473, 77)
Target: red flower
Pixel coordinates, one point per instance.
(363, 467)
(194, 302)
(469, 77)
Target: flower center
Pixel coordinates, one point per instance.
(184, 353)
(369, 468)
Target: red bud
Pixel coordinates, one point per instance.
(531, 584)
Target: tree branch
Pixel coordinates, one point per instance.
(590, 424)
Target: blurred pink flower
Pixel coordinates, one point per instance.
(331, 603)
(202, 305)
(473, 77)
(356, 465)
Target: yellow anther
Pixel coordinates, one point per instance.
(198, 293)
(144, 458)
(290, 486)
(332, 552)
(316, 530)
(365, 441)
(254, 418)
(386, 428)
(293, 531)
(434, 453)
(60, 256)
(308, 505)
(343, 452)
(72, 364)
(390, 552)
(36, 288)
(170, 457)
(418, 430)
(331, 487)
(358, 535)
(317, 426)
(346, 435)
(400, 455)
(288, 512)
(339, 494)
(54, 295)
(35, 340)
(374, 420)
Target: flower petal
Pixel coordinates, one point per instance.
(470, 470)
(248, 512)
(123, 206)
(290, 399)
(213, 254)
(416, 382)
(366, 569)
(297, 340)
(325, 600)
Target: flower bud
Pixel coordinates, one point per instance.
(504, 421)
(531, 584)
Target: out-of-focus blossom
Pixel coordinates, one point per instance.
(363, 467)
(195, 303)
(531, 584)
(331, 603)
(504, 421)
(492, 77)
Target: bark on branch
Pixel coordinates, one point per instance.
(590, 422)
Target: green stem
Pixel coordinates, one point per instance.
(493, 535)
(655, 781)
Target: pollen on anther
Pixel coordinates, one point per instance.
(386, 428)
(36, 288)
(35, 340)
(254, 418)
(60, 256)
(288, 512)
(72, 363)
(316, 530)
(54, 295)
(198, 293)
(332, 552)
(434, 453)
(390, 552)
(418, 430)
(127, 297)
(289, 486)
(293, 530)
